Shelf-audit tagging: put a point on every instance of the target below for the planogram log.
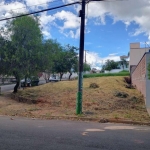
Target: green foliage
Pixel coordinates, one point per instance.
(105, 74)
(94, 85)
(86, 67)
(110, 64)
(50, 52)
(22, 49)
(66, 60)
(124, 71)
(24, 53)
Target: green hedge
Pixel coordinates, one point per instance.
(106, 74)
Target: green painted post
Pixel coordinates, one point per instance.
(81, 56)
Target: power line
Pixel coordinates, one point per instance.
(104, 0)
(30, 5)
(33, 5)
(40, 11)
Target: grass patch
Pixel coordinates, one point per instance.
(126, 71)
(106, 74)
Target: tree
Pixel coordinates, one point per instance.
(60, 65)
(65, 61)
(71, 58)
(51, 48)
(111, 64)
(86, 67)
(22, 50)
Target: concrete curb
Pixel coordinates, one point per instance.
(87, 119)
(103, 120)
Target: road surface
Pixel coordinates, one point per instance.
(10, 87)
(29, 134)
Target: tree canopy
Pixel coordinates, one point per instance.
(66, 60)
(25, 53)
(110, 64)
(22, 50)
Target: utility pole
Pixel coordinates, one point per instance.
(81, 56)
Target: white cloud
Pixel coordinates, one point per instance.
(96, 61)
(126, 11)
(69, 19)
(37, 3)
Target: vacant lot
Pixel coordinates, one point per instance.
(111, 99)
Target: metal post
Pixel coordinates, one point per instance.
(81, 56)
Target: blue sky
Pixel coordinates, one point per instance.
(110, 25)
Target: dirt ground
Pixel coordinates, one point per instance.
(103, 97)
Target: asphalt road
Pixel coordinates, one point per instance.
(28, 134)
(10, 87)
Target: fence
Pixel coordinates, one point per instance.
(140, 78)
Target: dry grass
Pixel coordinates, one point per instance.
(59, 99)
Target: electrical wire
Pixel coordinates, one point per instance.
(33, 5)
(88, 1)
(40, 11)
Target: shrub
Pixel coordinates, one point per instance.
(94, 85)
(121, 94)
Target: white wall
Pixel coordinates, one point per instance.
(116, 70)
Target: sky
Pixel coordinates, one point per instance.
(110, 25)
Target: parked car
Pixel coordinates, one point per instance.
(33, 81)
(54, 78)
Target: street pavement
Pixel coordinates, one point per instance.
(10, 87)
(33, 134)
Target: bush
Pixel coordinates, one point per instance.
(121, 94)
(94, 85)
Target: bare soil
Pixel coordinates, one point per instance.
(103, 97)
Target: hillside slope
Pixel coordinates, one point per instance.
(111, 99)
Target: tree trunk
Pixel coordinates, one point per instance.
(61, 74)
(17, 82)
(16, 87)
(70, 75)
(123, 67)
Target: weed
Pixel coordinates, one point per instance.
(127, 116)
(121, 94)
(116, 116)
(48, 115)
(33, 109)
(94, 85)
